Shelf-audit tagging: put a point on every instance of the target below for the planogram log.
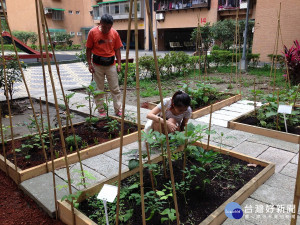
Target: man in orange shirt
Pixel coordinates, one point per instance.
(104, 43)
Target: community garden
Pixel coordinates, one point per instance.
(179, 178)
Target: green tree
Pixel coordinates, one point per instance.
(224, 31)
(249, 32)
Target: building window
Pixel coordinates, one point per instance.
(72, 33)
(57, 15)
(96, 14)
(79, 33)
(70, 12)
(77, 12)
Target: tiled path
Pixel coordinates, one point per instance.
(269, 204)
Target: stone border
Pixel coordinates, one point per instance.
(22, 175)
(234, 124)
(216, 217)
(206, 110)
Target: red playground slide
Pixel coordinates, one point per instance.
(19, 44)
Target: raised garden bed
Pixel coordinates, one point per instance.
(216, 216)
(101, 145)
(246, 123)
(206, 109)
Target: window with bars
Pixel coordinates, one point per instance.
(57, 15)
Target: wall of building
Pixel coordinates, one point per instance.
(266, 26)
(72, 22)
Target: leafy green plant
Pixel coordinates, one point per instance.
(70, 140)
(292, 57)
(203, 94)
(113, 126)
(13, 75)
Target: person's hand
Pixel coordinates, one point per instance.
(171, 127)
(91, 68)
(119, 68)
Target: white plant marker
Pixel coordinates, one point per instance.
(107, 194)
(285, 109)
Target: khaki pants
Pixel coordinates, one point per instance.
(112, 77)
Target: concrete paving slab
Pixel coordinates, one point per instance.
(222, 123)
(273, 195)
(247, 102)
(277, 156)
(295, 159)
(227, 112)
(218, 145)
(242, 106)
(196, 122)
(40, 189)
(279, 180)
(104, 165)
(223, 116)
(218, 131)
(75, 175)
(233, 138)
(114, 154)
(236, 109)
(291, 147)
(290, 170)
(250, 148)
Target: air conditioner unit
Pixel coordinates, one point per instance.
(160, 16)
(47, 11)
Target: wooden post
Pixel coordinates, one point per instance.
(123, 111)
(162, 151)
(209, 126)
(56, 106)
(254, 97)
(164, 115)
(47, 109)
(150, 171)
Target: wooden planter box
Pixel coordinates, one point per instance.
(206, 110)
(217, 217)
(22, 175)
(234, 124)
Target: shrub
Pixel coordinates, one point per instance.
(13, 75)
(279, 58)
(130, 75)
(292, 57)
(24, 36)
(70, 140)
(147, 64)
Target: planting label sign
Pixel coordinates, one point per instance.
(285, 109)
(108, 193)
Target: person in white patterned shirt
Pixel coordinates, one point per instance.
(178, 112)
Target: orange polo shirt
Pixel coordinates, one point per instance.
(103, 44)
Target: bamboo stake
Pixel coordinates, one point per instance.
(199, 47)
(41, 114)
(47, 109)
(254, 98)
(162, 151)
(27, 90)
(240, 70)
(66, 103)
(164, 115)
(150, 171)
(209, 126)
(139, 112)
(123, 110)
(276, 51)
(57, 109)
(184, 155)
(2, 140)
(7, 98)
(237, 43)
(277, 117)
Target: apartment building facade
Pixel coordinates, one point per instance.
(172, 20)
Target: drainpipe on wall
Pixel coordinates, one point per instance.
(244, 63)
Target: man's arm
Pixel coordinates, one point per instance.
(118, 56)
(89, 59)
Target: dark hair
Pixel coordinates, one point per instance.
(107, 19)
(181, 99)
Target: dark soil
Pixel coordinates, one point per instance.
(200, 203)
(251, 120)
(17, 208)
(91, 135)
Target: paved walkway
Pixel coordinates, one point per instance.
(277, 193)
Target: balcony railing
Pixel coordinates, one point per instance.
(169, 5)
(117, 9)
(232, 4)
